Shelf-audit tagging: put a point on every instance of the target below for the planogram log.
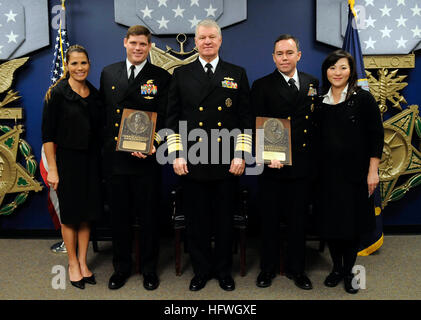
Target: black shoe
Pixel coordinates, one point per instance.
(78, 284)
(333, 279)
(348, 284)
(198, 283)
(90, 280)
(117, 280)
(301, 281)
(264, 279)
(150, 281)
(227, 283)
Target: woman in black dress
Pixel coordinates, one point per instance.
(71, 139)
(351, 144)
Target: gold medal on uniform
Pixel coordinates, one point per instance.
(228, 102)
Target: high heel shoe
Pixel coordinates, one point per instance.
(80, 284)
(90, 280)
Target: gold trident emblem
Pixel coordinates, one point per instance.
(168, 59)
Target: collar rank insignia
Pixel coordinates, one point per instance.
(229, 83)
(148, 89)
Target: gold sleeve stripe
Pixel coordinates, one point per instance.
(243, 140)
(174, 141)
(175, 147)
(174, 136)
(243, 147)
(158, 138)
(245, 137)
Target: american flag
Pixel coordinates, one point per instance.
(61, 45)
(387, 26)
(57, 72)
(177, 16)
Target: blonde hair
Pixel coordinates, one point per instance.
(73, 48)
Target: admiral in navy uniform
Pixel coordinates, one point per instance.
(209, 94)
(284, 191)
(133, 179)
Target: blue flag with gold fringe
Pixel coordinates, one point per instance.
(352, 45)
(372, 241)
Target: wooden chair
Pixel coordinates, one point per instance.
(240, 219)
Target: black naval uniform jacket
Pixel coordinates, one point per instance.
(218, 103)
(117, 95)
(271, 96)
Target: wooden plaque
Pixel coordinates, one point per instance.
(275, 144)
(137, 130)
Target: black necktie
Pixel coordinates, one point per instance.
(293, 86)
(131, 78)
(209, 71)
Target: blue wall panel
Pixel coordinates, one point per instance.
(249, 44)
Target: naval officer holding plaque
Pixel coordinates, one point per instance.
(284, 190)
(130, 89)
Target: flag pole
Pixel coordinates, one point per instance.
(63, 10)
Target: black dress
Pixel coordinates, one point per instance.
(350, 133)
(73, 124)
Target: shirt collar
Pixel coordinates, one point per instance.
(328, 98)
(214, 63)
(295, 77)
(137, 69)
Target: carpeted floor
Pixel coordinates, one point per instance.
(27, 266)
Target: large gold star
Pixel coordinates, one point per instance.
(400, 157)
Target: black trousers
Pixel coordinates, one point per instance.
(343, 253)
(130, 196)
(284, 200)
(209, 208)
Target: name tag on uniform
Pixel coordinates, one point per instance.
(229, 83)
(148, 90)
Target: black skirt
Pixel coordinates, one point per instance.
(79, 188)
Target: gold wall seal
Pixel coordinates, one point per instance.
(14, 177)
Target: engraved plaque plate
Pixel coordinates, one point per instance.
(137, 129)
(273, 140)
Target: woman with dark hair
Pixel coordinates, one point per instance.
(71, 138)
(351, 144)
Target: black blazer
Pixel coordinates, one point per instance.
(271, 96)
(69, 121)
(117, 95)
(350, 132)
(219, 103)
